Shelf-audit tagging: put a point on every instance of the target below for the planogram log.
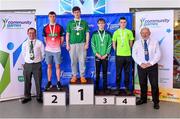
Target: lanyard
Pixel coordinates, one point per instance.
(101, 36)
(77, 25)
(52, 32)
(122, 37)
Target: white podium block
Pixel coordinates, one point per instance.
(105, 100)
(125, 100)
(54, 98)
(81, 94)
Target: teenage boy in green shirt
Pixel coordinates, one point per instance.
(122, 44)
(101, 43)
(77, 43)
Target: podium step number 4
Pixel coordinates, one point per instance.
(125, 100)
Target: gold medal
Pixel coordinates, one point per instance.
(31, 55)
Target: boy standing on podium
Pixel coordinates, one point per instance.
(54, 37)
(77, 43)
(101, 45)
(122, 44)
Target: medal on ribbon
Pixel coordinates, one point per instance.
(122, 37)
(101, 37)
(78, 27)
(52, 31)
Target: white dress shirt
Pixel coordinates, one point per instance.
(153, 49)
(38, 48)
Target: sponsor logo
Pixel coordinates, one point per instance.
(112, 26)
(152, 22)
(13, 24)
(21, 78)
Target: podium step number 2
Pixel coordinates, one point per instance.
(54, 98)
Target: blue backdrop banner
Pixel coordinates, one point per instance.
(112, 24)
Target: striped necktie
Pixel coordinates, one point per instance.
(31, 50)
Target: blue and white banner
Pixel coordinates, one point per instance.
(112, 24)
(13, 32)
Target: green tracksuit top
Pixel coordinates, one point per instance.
(99, 44)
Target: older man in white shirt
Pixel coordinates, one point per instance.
(146, 53)
(33, 54)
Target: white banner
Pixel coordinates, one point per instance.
(161, 25)
(13, 32)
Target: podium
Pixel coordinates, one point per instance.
(54, 97)
(81, 94)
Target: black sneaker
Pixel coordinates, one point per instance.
(39, 100)
(59, 86)
(48, 86)
(156, 106)
(140, 102)
(25, 100)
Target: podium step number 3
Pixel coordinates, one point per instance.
(54, 98)
(104, 100)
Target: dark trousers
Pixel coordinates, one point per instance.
(32, 69)
(104, 64)
(122, 62)
(150, 73)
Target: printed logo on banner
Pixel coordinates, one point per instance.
(154, 23)
(13, 24)
(112, 27)
(87, 6)
(4, 23)
(5, 63)
(66, 74)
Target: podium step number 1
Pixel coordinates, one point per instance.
(81, 94)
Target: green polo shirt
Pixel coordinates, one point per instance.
(101, 47)
(123, 48)
(77, 36)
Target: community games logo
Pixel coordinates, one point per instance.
(152, 22)
(4, 23)
(13, 24)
